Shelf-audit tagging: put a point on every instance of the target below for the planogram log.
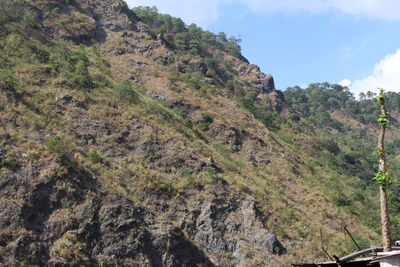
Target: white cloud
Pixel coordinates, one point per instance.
(272, 6)
(345, 82)
(384, 9)
(205, 12)
(386, 74)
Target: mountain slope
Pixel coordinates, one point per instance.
(130, 138)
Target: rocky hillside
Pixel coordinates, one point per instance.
(131, 139)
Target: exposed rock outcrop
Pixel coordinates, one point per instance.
(60, 218)
(193, 64)
(262, 83)
(85, 21)
(274, 101)
(242, 141)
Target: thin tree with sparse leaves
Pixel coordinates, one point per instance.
(382, 177)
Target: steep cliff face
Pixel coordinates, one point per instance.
(57, 212)
(120, 147)
(84, 22)
(55, 217)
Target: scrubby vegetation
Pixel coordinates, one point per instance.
(140, 123)
(15, 17)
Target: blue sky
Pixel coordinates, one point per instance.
(353, 42)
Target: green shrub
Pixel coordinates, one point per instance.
(15, 17)
(166, 188)
(173, 79)
(8, 161)
(341, 201)
(251, 104)
(186, 171)
(327, 144)
(68, 204)
(294, 117)
(74, 65)
(127, 92)
(56, 146)
(210, 170)
(78, 23)
(193, 79)
(79, 76)
(212, 63)
(94, 157)
(7, 80)
(40, 53)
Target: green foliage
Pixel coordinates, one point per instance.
(15, 17)
(211, 171)
(56, 146)
(74, 64)
(212, 63)
(382, 178)
(102, 264)
(127, 92)
(81, 68)
(41, 53)
(188, 39)
(392, 147)
(68, 204)
(193, 80)
(318, 100)
(76, 23)
(78, 76)
(94, 157)
(348, 153)
(341, 201)
(380, 98)
(166, 188)
(186, 171)
(8, 161)
(329, 144)
(383, 121)
(55, 12)
(268, 118)
(7, 80)
(350, 158)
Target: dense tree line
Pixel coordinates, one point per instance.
(190, 39)
(319, 100)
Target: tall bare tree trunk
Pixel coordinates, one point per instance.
(385, 222)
